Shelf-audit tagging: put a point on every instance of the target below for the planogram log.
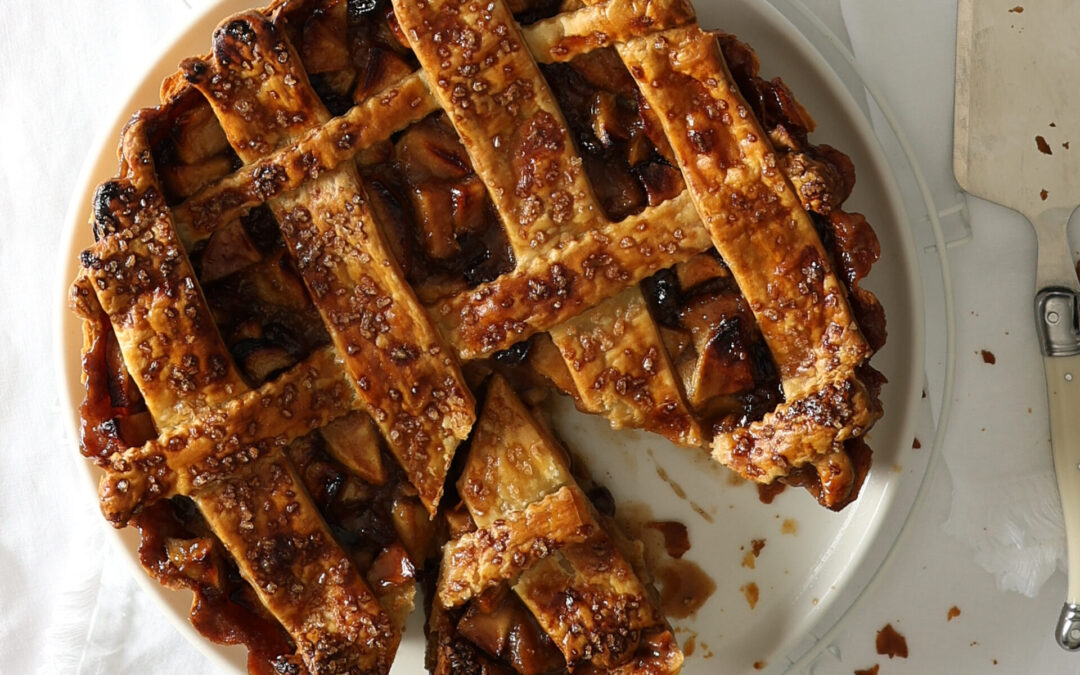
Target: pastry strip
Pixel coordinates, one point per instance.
(327, 146)
(499, 552)
(806, 429)
(768, 242)
(297, 569)
(570, 34)
(144, 282)
(617, 358)
(543, 292)
(521, 148)
(137, 222)
(403, 373)
(658, 654)
(217, 441)
(753, 215)
(585, 596)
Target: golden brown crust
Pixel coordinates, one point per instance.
(214, 433)
(492, 89)
(290, 558)
(260, 93)
(590, 602)
(216, 441)
(544, 292)
(512, 461)
(178, 417)
(797, 432)
(586, 596)
(768, 242)
(757, 223)
(658, 654)
(499, 552)
(571, 34)
(621, 368)
(146, 286)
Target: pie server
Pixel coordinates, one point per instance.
(1017, 143)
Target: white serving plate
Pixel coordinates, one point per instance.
(807, 580)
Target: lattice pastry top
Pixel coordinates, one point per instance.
(344, 218)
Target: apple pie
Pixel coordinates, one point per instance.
(352, 237)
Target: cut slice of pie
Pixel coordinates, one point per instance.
(533, 579)
(347, 217)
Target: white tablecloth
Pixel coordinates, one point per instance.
(70, 606)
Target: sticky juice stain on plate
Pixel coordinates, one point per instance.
(633, 517)
(756, 545)
(872, 670)
(789, 526)
(689, 646)
(676, 538)
(684, 588)
(752, 594)
(890, 643)
(679, 491)
(954, 612)
(705, 515)
(755, 550)
(760, 665)
(675, 487)
(767, 493)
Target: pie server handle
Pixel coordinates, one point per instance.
(1057, 323)
(1063, 389)
(1057, 315)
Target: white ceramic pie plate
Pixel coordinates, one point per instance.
(807, 579)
